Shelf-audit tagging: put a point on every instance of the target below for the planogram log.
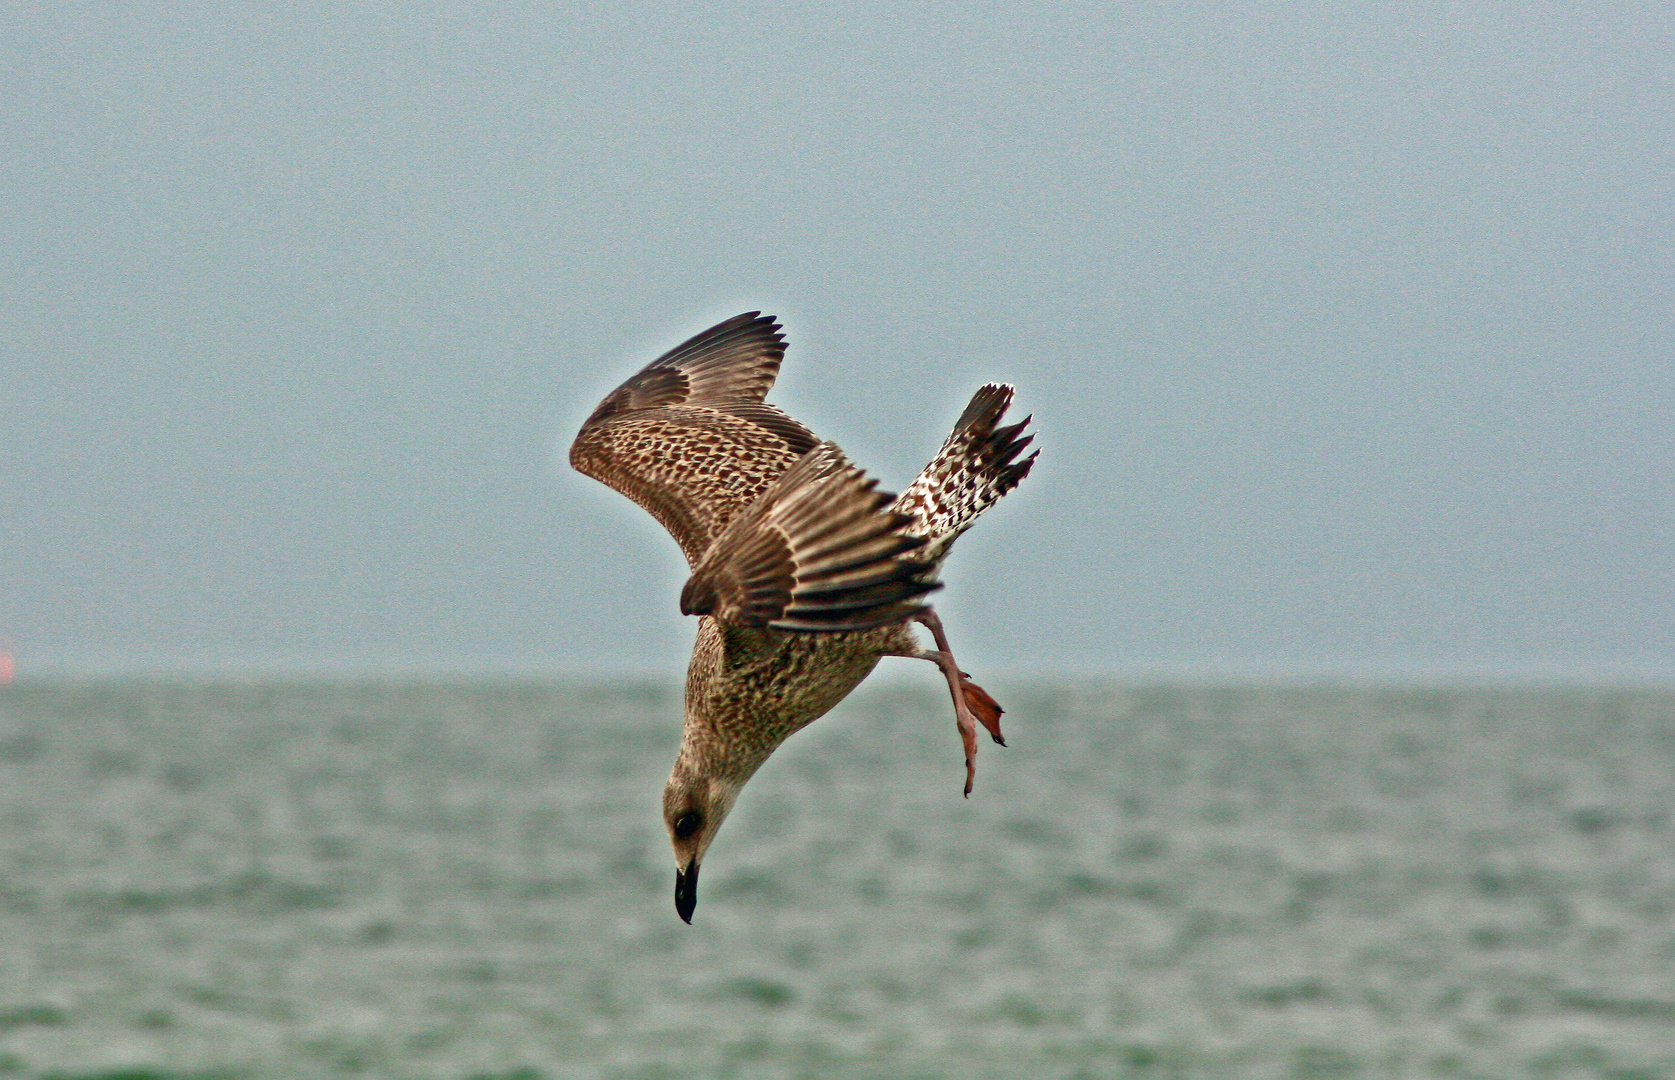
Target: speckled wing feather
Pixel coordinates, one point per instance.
(974, 468)
(690, 438)
(818, 551)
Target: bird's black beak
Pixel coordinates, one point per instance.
(686, 890)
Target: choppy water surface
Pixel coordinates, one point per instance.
(472, 881)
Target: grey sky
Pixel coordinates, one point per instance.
(1347, 330)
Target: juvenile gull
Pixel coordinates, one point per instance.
(804, 574)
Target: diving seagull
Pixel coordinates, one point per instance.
(804, 574)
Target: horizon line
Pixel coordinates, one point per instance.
(291, 668)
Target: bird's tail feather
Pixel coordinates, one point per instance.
(976, 466)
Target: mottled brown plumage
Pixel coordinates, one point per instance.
(804, 575)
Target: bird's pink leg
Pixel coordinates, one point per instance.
(972, 704)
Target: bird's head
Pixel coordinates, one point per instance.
(694, 806)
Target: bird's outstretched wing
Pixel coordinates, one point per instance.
(690, 438)
(819, 550)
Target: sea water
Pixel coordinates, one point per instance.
(468, 880)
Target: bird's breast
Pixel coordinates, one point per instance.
(746, 705)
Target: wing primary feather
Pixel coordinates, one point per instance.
(877, 617)
(831, 558)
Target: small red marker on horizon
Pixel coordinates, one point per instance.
(8, 668)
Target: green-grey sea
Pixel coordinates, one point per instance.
(470, 881)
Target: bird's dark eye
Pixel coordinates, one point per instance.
(686, 824)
